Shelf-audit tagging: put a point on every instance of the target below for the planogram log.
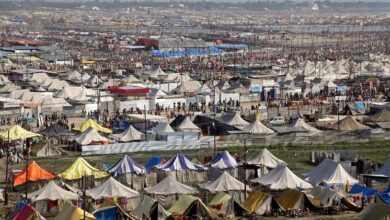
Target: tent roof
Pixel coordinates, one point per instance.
(112, 188)
(70, 212)
(234, 119)
(265, 158)
(254, 200)
(350, 124)
(127, 165)
(325, 195)
(384, 170)
(80, 167)
(35, 173)
(292, 199)
(16, 133)
(224, 183)
(55, 130)
(223, 160)
(163, 127)
(282, 177)
(169, 186)
(184, 203)
(91, 123)
(27, 212)
(146, 207)
(213, 127)
(48, 150)
(257, 127)
(180, 162)
(378, 211)
(330, 172)
(131, 134)
(53, 192)
(300, 123)
(382, 116)
(187, 125)
(90, 135)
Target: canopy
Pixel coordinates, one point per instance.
(281, 178)
(28, 213)
(187, 125)
(330, 172)
(325, 195)
(90, 136)
(48, 151)
(70, 212)
(34, 173)
(91, 123)
(180, 162)
(265, 158)
(349, 124)
(55, 130)
(257, 127)
(17, 133)
(259, 203)
(80, 168)
(163, 127)
(126, 165)
(362, 190)
(300, 123)
(224, 183)
(152, 162)
(292, 199)
(53, 192)
(184, 205)
(131, 134)
(147, 207)
(112, 188)
(225, 204)
(169, 186)
(384, 170)
(110, 210)
(223, 160)
(234, 119)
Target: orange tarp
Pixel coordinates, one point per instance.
(35, 173)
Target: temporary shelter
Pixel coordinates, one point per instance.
(225, 204)
(257, 127)
(292, 199)
(377, 211)
(281, 178)
(129, 172)
(131, 134)
(330, 172)
(162, 127)
(167, 190)
(55, 130)
(382, 116)
(111, 210)
(328, 197)
(187, 125)
(213, 127)
(182, 169)
(349, 124)
(265, 158)
(153, 161)
(17, 133)
(259, 203)
(70, 212)
(300, 123)
(91, 123)
(28, 212)
(384, 170)
(91, 136)
(79, 168)
(48, 151)
(188, 205)
(234, 120)
(34, 173)
(223, 160)
(152, 208)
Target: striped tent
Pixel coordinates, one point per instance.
(180, 162)
(224, 160)
(126, 165)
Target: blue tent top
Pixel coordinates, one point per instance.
(360, 106)
(358, 188)
(121, 126)
(152, 162)
(126, 165)
(385, 196)
(108, 213)
(223, 160)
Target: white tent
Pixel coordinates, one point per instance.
(327, 196)
(131, 134)
(330, 172)
(112, 188)
(224, 183)
(257, 127)
(57, 85)
(234, 120)
(48, 151)
(162, 127)
(170, 186)
(90, 135)
(300, 123)
(53, 192)
(265, 158)
(147, 208)
(281, 178)
(187, 125)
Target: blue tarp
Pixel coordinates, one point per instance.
(256, 89)
(121, 126)
(152, 162)
(360, 106)
(340, 88)
(109, 213)
(385, 196)
(187, 52)
(358, 188)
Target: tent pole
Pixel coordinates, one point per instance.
(245, 149)
(27, 153)
(6, 172)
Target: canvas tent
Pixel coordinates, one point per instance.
(265, 158)
(223, 160)
(382, 116)
(162, 128)
(90, 136)
(188, 205)
(79, 168)
(91, 123)
(126, 165)
(55, 130)
(257, 127)
(327, 196)
(225, 204)
(300, 123)
(28, 212)
(330, 172)
(150, 207)
(187, 125)
(224, 183)
(281, 178)
(70, 212)
(48, 150)
(356, 108)
(349, 124)
(131, 134)
(34, 173)
(51, 191)
(110, 210)
(234, 120)
(17, 133)
(259, 203)
(292, 199)
(384, 170)
(378, 211)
